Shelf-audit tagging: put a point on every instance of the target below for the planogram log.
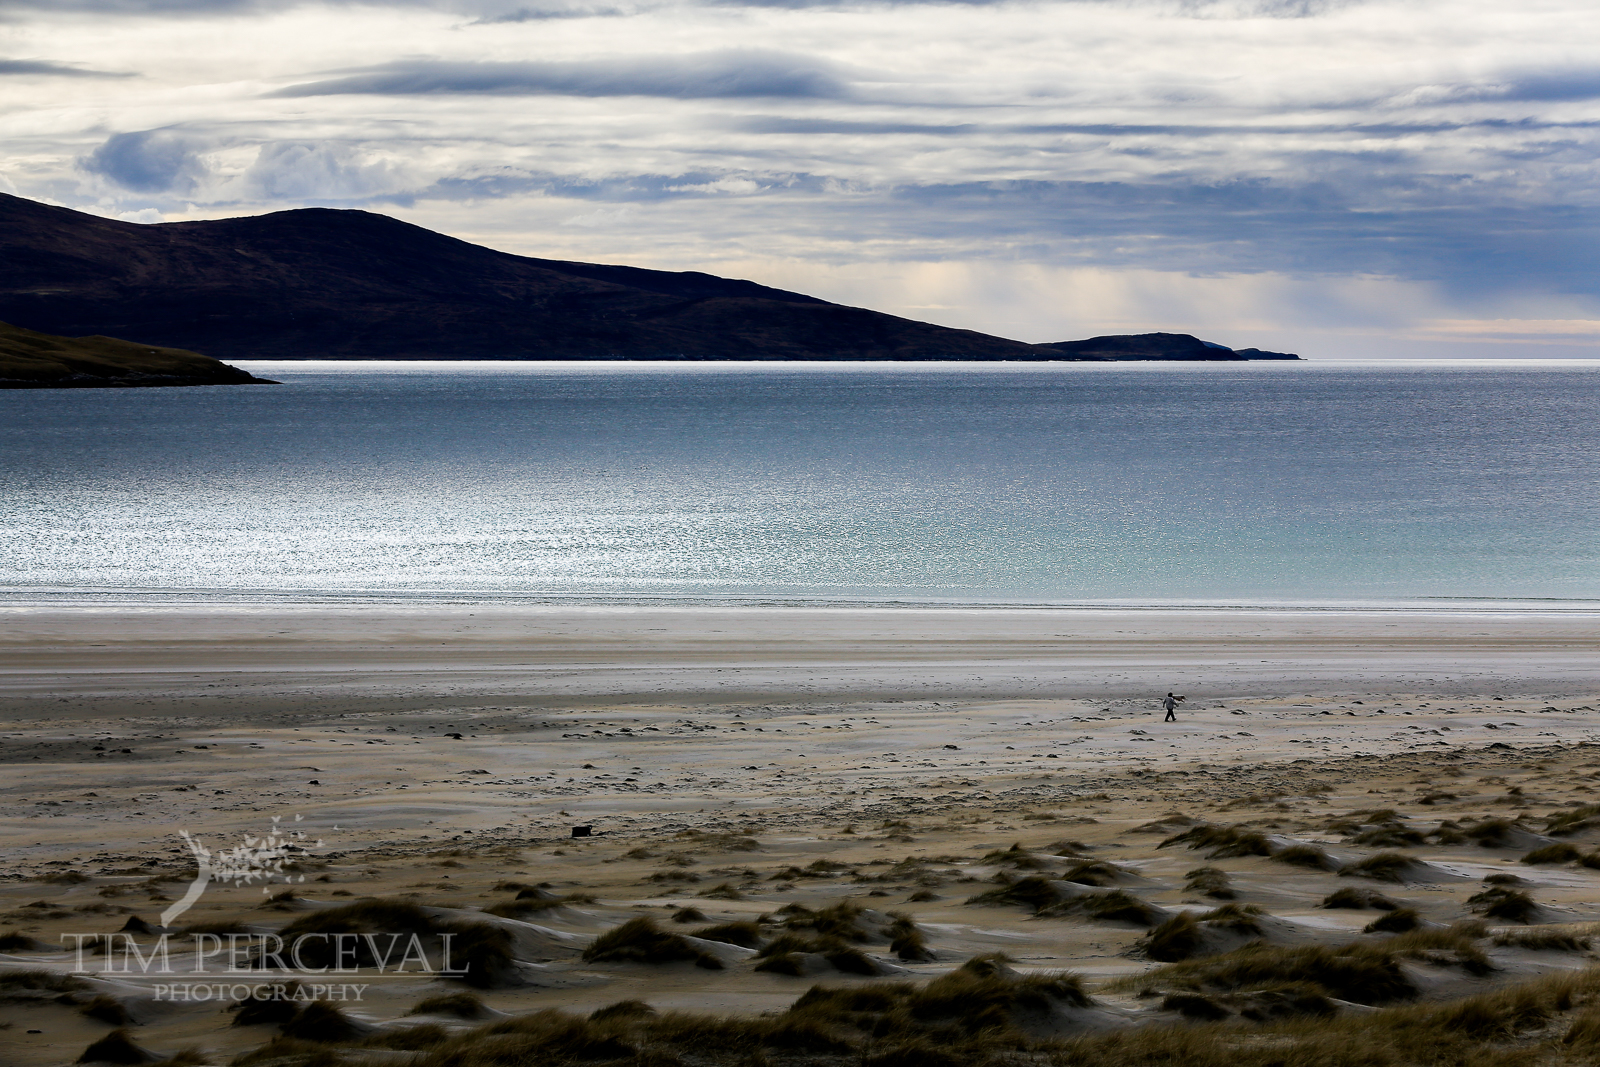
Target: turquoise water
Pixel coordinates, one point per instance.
(1304, 483)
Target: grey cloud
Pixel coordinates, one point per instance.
(149, 161)
(1546, 86)
(1569, 85)
(59, 70)
(542, 14)
(783, 124)
(1262, 9)
(1352, 222)
(319, 173)
(151, 7)
(703, 76)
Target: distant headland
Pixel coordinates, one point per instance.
(1164, 347)
(33, 360)
(318, 283)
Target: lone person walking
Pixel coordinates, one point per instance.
(1171, 704)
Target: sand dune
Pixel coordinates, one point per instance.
(955, 783)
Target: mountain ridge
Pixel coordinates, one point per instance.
(318, 283)
(324, 283)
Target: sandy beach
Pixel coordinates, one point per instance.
(739, 760)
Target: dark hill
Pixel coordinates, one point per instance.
(31, 360)
(1167, 347)
(324, 284)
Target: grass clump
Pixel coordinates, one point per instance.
(1392, 835)
(1260, 1005)
(844, 920)
(12, 941)
(1031, 892)
(531, 892)
(1398, 921)
(743, 934)
(1498, 902)
(907, 942)
(1016, 856)
(521, 909)
(690, 915)
(641, 941)
(1183, 936)
(1543, 939)
(220, 929)
(1384, 867)
(1237, 918)
(977, 1009)
(1492, 833)
(1351, 973)
(721, 842)
(1115, 906)
(723, 891)
(16, 985)
(107, 1010)
(1571, 821)
(460, 1005)
(1222, 842)
(1179, 938)
(1093, 872)
(374, 916)
(1560, 852)
(1210, 881)
(1305, 856)
(787, 953)
(622, 1009)
(1194, 1006)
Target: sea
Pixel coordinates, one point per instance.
(1322, 483)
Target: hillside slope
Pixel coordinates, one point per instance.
(324, 284)
(33, 360)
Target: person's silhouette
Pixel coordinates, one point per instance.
(1171, 704)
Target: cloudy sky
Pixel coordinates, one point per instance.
(1334, 177)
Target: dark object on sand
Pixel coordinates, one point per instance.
(582, 831)
(32, 360)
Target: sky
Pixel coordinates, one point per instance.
(1338, 178)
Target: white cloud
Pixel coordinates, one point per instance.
(602, 218)
(299, 172)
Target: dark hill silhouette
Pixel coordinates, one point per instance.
(1158, 346)
(324, 284)
(33, 360)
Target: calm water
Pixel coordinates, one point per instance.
(1304, 483)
